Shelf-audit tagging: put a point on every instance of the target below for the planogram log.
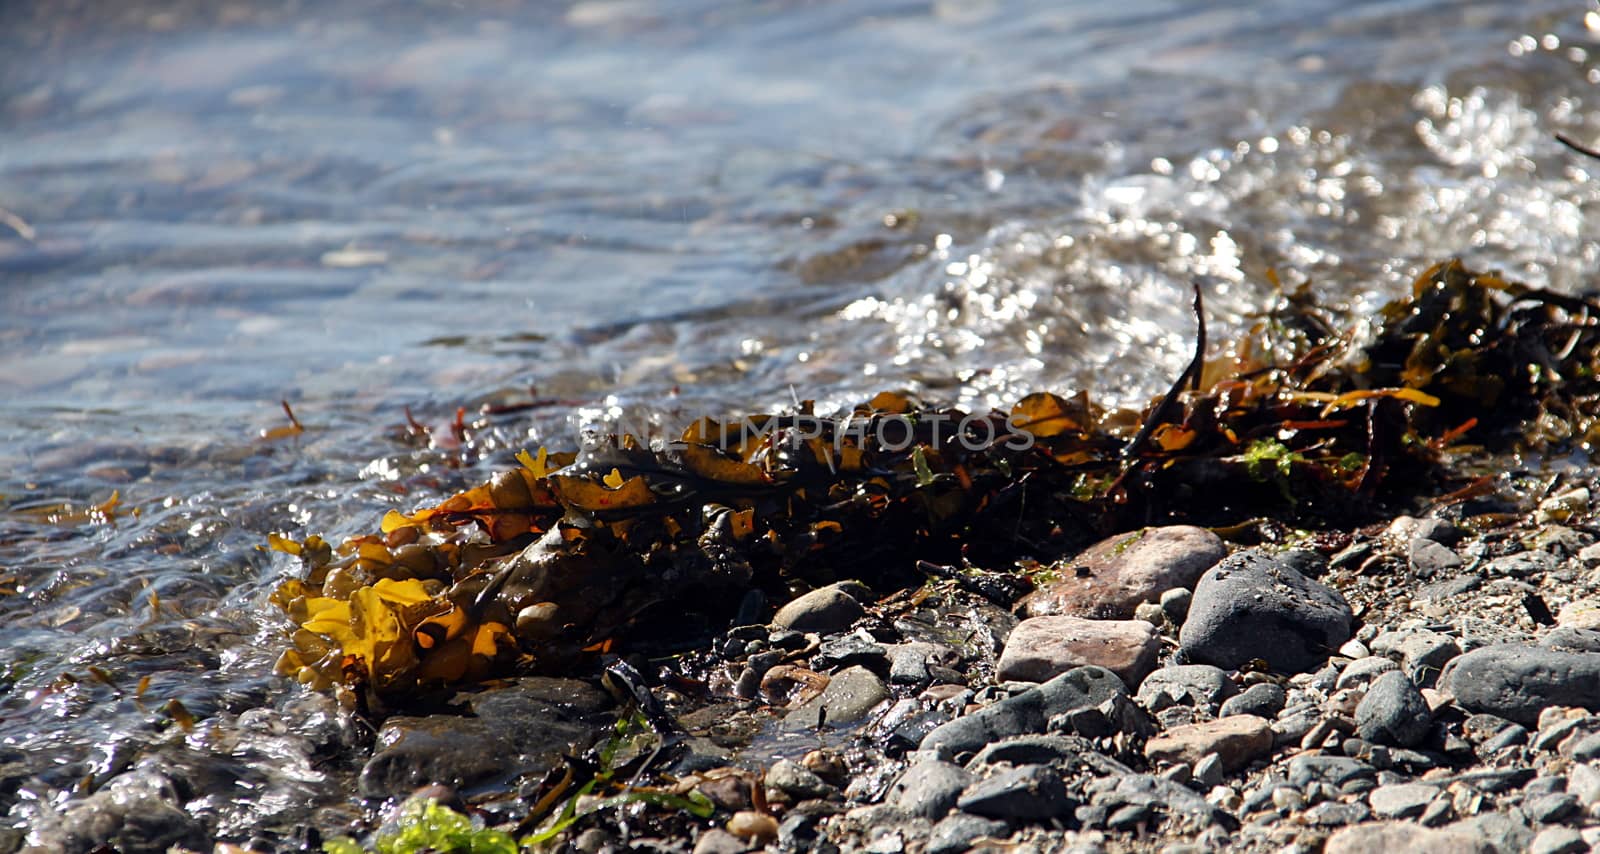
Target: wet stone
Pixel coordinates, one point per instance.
(1264, 700)
(1198, 685)
(1253, 606)
(1516, 681)
(1042, 647)
(1111, 578)
(140, 810)
(1027, 712)
(928, 789)
(851, 694)
(1027, 792)
(908, 662)
(789, 777)
(957, 833)
(826, 609)
(1235, 741)
(1393, 712)
(850, 650)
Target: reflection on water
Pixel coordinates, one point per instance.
(646, 210)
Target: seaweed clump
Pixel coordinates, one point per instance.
(1303, 421)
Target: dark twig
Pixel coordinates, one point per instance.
(1189, 377)
(1573, 144)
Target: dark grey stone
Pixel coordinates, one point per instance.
(1063, 751)
(928, 789)
(1335, 814)
(1253, 606)
(1522, 565)
(1516, 681)
(1393, 712)
(956, 833)
(1430, 558)
(1175, 605)
(798, 782)
(1585, 748)
(1503, 832)
(1449, 587)
(1027, 792)
(1550, 807)
(1264, 700)
(1569, 639)
(1200, 685)
(1336, 771)
(851, 649)
(1438, 530)
(1027, 712)
(1558, 840)
(1423, 655)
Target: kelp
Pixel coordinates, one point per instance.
(569, 554)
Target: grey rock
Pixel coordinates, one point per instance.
(1430, 558)
(1423, 655)
(1522, 565)
(908, 662)
(1363, 670)
(1583, 748)
(1336, 814)
(1401, 800)
(1027, 712)
(856, 648)
(1516, 681)
(1446, 588)
(1569, 639)
(1550, 808)
(1584, 781)
(1558, 840)
(1264, 700)
(1175, 604)
(1063, 751)
(1393, 712)
(1025, 792)
(851, 694)
(1336, 771)
(1396, 836)
(1209, 771)
(1438, 530)
(1253, 606)
(1184, 684)
(792, 779)
(1500, 829)
(929, 789)
(957, 832)
(826, 609)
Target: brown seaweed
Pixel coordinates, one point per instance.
(571, 554)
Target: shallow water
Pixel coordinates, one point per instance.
(638, 212)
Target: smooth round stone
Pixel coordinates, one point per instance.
(1041, 648)
(1393, 712)
(1254, 606)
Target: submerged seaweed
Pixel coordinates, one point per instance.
(572, 553)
